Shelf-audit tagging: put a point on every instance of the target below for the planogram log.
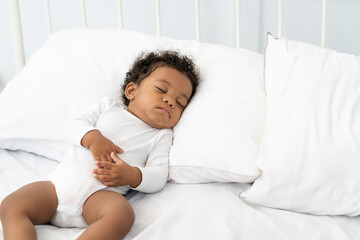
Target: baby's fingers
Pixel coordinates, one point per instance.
(104, 164)
(103, 158)
(105, 179)
(100, 171)
(118, 150)
(97, 158)
(108, 158)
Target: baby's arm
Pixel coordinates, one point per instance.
(156, 171)
(81, 131)
(151, 178)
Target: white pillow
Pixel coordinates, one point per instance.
(219, 134)
(74, 68)
(310, 154)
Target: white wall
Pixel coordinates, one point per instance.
(302, 22)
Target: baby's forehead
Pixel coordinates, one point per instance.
(167, 72)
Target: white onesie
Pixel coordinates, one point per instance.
(144, 147)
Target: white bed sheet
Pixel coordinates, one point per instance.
(189, 211)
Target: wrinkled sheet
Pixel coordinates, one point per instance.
(188, 211)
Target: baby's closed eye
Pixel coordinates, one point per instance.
(160, 89)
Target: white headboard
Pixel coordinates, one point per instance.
(17, 35)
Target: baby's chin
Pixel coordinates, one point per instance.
(162, 126)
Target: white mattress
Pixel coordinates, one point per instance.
(189, 211)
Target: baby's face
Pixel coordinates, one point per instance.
(160, 99)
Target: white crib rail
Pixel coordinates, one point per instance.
(323, 23)
(237, 22)
(197, 20)
(17, 36)
(83, 14)
(16, 32)
(48, 16)
(120, 16)
(158, 18)
(280, 18)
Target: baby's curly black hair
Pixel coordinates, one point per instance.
(146, 63)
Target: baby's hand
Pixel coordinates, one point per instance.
(100, 146)
(117, 173)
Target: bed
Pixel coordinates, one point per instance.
(267, 149)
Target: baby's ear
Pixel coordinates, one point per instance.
(130, 91)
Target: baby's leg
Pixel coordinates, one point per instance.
(32, 204)
(109, 216)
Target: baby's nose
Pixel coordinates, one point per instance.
(169, 102)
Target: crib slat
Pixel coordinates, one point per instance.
(280, 18)
(83, 14)
(48, 16)
(323, 23)
(158, 18)
(16, 32)
(237, 24)
(120, 15)
(197, 19)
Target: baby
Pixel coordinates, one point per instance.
(85, 194)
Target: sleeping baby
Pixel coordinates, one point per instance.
(88, 194)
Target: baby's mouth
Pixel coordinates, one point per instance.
(166, 112)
